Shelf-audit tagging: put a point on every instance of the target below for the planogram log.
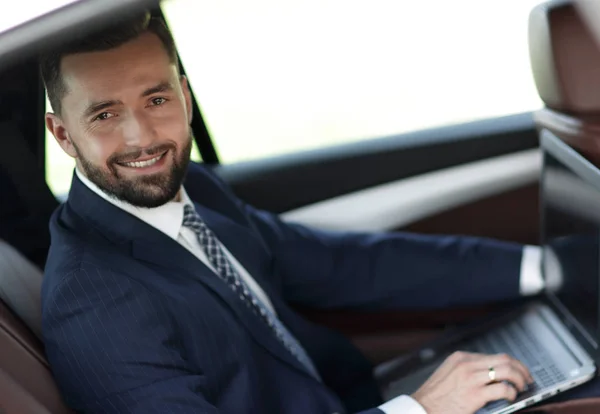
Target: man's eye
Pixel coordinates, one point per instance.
(158, 101)
(103, 116)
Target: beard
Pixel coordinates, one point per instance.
(146, 191)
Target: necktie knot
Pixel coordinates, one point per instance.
(190, 217)
(193, 221)
(208, 241)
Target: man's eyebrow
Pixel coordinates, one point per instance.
(98, 106)
(161, 87)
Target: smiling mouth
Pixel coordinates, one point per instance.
(143, 164)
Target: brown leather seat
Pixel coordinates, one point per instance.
(565, 61)
(14, 399)
(26, 383)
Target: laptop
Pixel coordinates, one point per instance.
(555, 335)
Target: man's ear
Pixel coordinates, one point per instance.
(187, 94)
(56, 126)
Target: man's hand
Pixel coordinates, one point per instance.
(461, 385)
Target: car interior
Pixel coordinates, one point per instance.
(479, 178)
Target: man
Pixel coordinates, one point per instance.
(160, 297)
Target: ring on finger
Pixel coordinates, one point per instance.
(492, 374)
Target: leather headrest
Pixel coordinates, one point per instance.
(565, 59)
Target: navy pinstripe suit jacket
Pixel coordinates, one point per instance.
(134, 323)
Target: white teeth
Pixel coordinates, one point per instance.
(143, 164)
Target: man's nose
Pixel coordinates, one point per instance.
(138, 131)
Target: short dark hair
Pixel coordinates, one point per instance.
(109, 38)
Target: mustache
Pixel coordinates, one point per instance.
(131, 156)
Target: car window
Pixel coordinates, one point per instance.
(275, 77)
(59, 166)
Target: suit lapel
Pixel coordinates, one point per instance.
(168, 254)
(148, 244)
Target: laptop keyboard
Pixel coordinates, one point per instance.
(517, 341)
(513, 339)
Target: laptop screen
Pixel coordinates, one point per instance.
(571, 235)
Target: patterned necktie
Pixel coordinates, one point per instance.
(225, 270)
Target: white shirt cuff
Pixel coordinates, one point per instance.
(531, 271)
(402, 404)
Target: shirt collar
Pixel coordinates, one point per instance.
(167, 218)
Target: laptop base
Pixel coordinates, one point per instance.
(535, 336)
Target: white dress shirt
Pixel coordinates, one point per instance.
(168, 219)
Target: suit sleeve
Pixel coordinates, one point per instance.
(113, 349)
(323, 269)
(387, 270)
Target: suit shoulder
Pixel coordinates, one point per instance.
(65, 261)
(87, 285)
(72, 253)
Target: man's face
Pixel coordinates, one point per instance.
(125, 119)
